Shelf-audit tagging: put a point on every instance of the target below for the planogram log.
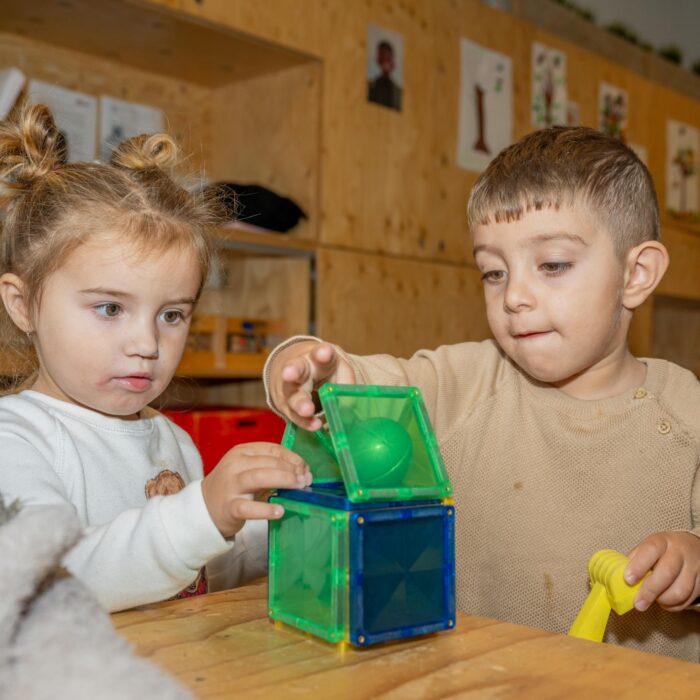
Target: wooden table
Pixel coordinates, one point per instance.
(222, 645)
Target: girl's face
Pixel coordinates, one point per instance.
(112, 323)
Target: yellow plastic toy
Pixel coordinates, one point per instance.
(609, 591)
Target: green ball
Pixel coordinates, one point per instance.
(382, 452)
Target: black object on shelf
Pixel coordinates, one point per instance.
(259, 206)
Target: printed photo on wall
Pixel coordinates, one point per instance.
(612, 111)
(682, 169)
(384, 67)
(485, 105)
(549, 97)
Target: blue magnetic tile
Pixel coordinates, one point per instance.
(402, 572)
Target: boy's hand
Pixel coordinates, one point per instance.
(299, 370)
(247, 470)
(674, 561)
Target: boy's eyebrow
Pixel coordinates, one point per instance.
(544, 237)
(103, 291)
(540, 238)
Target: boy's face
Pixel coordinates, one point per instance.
(553, 288)
(112, 324)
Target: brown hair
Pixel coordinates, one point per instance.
(561, 165)
(52, 207)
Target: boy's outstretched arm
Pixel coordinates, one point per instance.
(674, 561)
(293, 373)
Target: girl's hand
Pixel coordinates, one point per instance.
(243, 472)
(299, 370)
(674, 561)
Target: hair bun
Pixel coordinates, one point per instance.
(146, 152)
(31, 146)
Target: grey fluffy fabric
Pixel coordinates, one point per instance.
(55, 640)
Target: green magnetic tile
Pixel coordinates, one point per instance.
(310, 448)
(308, 569)
(385, 444)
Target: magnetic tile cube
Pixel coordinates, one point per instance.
(366, 554)
(363, 573)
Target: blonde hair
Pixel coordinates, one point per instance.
(51, 207)
(561, 166)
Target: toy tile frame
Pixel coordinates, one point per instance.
(306, 444)
(337, 611)
(331, 395)
(360, 533)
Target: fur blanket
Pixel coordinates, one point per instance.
(55, 640)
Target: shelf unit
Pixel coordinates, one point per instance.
(247, 110)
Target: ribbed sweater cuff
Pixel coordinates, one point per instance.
(191, 531)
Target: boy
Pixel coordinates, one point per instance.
(558, 442)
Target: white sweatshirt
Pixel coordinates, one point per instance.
(135, 550)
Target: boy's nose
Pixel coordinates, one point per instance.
(518, 295)
(142, 340)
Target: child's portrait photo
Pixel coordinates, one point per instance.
(384, 67)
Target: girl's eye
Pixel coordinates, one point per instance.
(172, 316)
(493, 276)
(555, 268)
(108, 310)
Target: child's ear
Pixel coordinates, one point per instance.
(645, 265)
(13, 294)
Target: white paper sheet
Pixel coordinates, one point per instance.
(485, 105)
(119, 120)
(75, 114)
(681, 167)
(549, 93)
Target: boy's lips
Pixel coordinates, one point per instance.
(531, 334)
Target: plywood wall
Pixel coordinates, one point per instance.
(388, 201)
(184, 104)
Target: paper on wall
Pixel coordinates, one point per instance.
(485, 105)
(613, 110)
(549, 93)
(75, 114)
(682, 143)
(11, 83)
(119, 120)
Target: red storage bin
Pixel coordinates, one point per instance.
(215, 430)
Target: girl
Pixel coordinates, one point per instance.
(100, 269)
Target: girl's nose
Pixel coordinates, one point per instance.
(143, 340)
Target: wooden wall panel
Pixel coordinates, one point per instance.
(267, 131)
(269, 287)
(292, 23)
(371, 303)
(677, 332)
(683, 277)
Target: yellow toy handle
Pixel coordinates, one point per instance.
(609, 591)
(592, 619)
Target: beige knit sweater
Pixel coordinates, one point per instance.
(542, 481)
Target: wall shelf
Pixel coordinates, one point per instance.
(141, 35)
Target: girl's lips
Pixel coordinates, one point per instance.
(135, 382)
